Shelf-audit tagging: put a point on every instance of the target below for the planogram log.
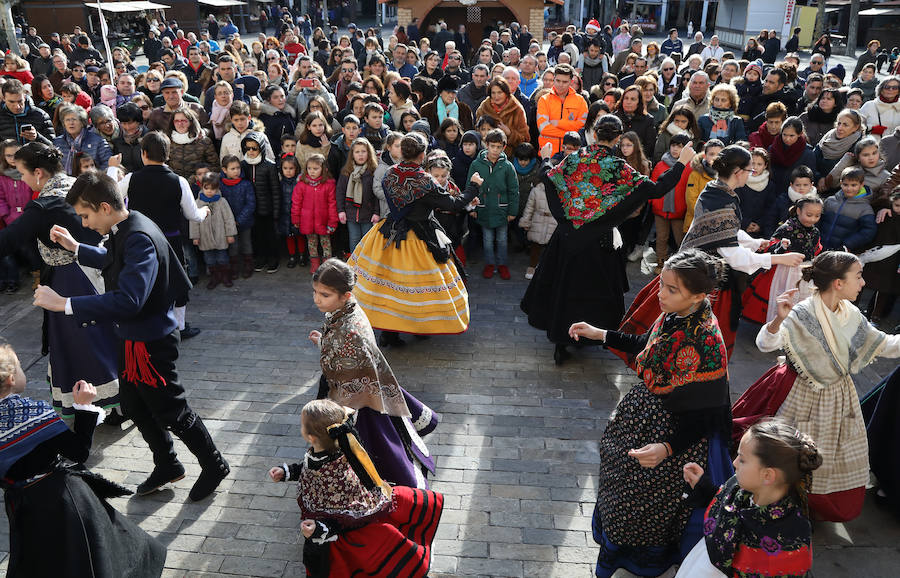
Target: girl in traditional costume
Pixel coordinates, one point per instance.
(409, 281)
(46, 496)
(678, 413)
(76, 351)
(757, 524)
(355, 373)
(581, 275)
(354, 522)
(798, 234)
(716, 229)
(826, 340)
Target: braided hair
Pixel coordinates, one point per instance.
(785, 448)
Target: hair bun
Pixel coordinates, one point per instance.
(808, 458)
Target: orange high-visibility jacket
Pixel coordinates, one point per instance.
(571, 112)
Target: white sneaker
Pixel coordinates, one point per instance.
(637, 253)
(529, 273)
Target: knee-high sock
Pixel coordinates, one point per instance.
(179, 316)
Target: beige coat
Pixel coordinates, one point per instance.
(537, 218)
(214, 230)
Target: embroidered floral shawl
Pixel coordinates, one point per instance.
(330, 490)
(828, 346)
(686, 351)
(745, 540)
(358, 375)
(25, 423)
(406, 183)
(592, 181)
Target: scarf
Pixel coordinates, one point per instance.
(499, 109)
(446, 111)
(358, 375)
(669, 198)
(218, 118)
(765, 138)
(131, 139)
(794, 196)
(817, 115)
(331, 490)
(231, 182)
(592, 181)
(526, 169)
(787, 156)
(673, 129)
(685, 360)
(254, 161)
(74, 147)
(717, 219)
(209, 200)
(717, 114)
(25, 423)
(720, 118)
(833, 148)
(183, 138)
(354, 185)
(13, 173)
(758, 182)
(742, 537)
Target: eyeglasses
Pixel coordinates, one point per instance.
(152, 80)
(348, 70)
(892, 87)
(455, 58)
(249, 148)
(609, 83)
(670, 69)
(145, 107)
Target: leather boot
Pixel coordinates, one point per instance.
(215, 276)
(225, 272)
(234, 268)
(248, 267)
(215, 468)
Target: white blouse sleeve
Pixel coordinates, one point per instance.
(891, 347)
(768, 342)
(744, 257)
(189, 207)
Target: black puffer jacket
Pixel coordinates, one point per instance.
(642, 124)
(11, 125)
(264, 177)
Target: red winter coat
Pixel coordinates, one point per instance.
(657, 204)
(314, 206)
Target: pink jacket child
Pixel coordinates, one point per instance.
(14, 195)
(314, 206)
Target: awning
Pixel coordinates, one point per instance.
(880, 12)
(127, 6)
(221, 3)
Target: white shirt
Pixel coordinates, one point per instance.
(189, 207)
(744, 257)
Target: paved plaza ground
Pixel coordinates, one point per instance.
(517, 446)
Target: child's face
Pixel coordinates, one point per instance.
(895, 206)
(758, 164)
(869, 157)
(317, 127)
(289, 170)
(802, 185)
(809, 214)
(360, 155)
(240, 122)
(484, 129)
(210, 191)
(223, 96)
(310, 439)
(451, 133)
(569, 149)
(867, 74)
(626, 146)
(374, 119)
(469, 149)
(751, 475)
(233, 170)
(523, 162)
(395, 149)
(314, 170)
(328, 299)
(850, 188)
(441, 175)
(711, 153)
(251, 150)
(86, 163)
(408, 121)
(351, 131)
(289, 146)
(494, 150)
(198, 174)
(851, 284)
(17, 377)
(675, 150)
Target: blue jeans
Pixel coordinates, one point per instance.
(498, 234)
(215, 257)
(357, 230)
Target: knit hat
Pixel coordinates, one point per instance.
(592, 25)
(421, 126)
(472, 136)
(838, 70)
(108, 95)
(756, 64)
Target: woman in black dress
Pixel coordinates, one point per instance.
(46, 498)
(581, 275)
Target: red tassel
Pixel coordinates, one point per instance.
(138, 368)
(461, 255)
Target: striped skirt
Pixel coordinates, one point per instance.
(404, 289)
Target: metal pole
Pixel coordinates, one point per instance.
(10, 28)
(580, 20)
(104, 32)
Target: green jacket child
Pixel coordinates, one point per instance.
(499, 194)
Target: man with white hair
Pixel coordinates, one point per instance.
(713, 50)
(698, 45)
(514, 56)
(697, 98)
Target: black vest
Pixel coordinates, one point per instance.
(171, 280)
(155, 191)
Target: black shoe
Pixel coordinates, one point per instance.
(189, 331)
(159, 477)
(304, 260)
(259, 266)
(390, 338)
(272, 267)
(560, 354)
(11, 288)
(215, 467)
(292, 261)
(115, 417)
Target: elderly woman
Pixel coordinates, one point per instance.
(446, 105)
(104, 122)
(508, 112)
(277, 116)
(882, 115)
(78, 138)
(722, 121)
(190, 145)
(582, 275)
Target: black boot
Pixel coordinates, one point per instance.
(159, 477)
(197, 439)
(166, 467)
(560, 354)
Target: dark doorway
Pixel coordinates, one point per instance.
(476, 19)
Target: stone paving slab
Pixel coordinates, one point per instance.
(517, 446)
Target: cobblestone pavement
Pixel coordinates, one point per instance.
(517, 447)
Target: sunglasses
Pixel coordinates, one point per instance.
(252, 148)
(152, 80)
(892, 87)
(668, 69)
(348, 70)
(145, 107)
